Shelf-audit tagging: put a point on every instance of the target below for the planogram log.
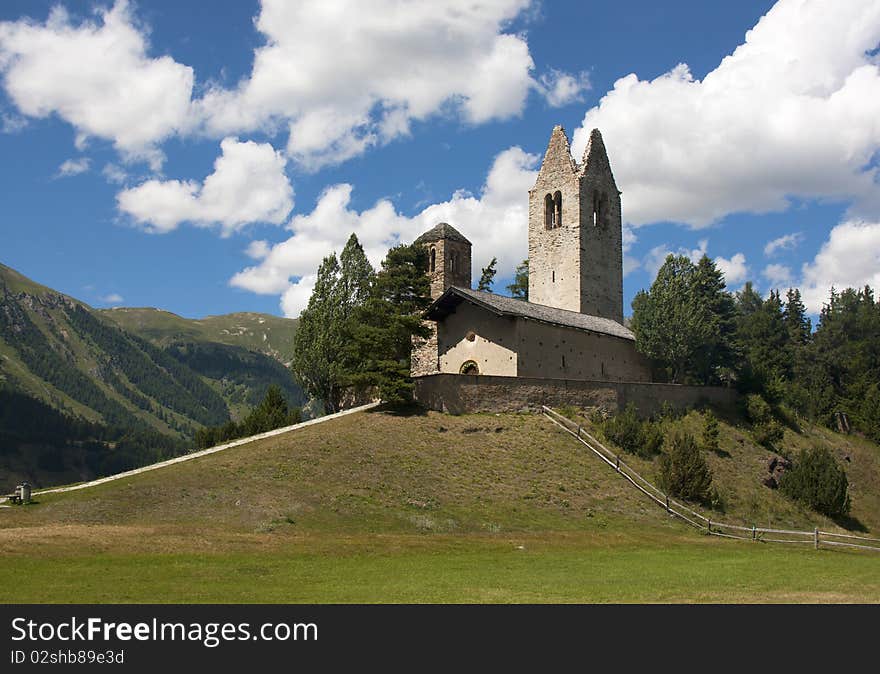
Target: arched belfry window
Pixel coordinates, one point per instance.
(548, 212)
(433, 259)
(597, 208)
(557, 209)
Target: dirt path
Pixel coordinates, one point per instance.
(204, 452)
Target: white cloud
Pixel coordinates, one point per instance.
(257, 250)
(97, 76)
(12, 123)
(112, 298)
(115, 174)
(560, 88)
(849, 258)
(734, 269)
(658, 254)
(346, 75)
(786, 242)
(495, 222)
(248, 185)
(779, 275)
(793, 112)
(73, 167)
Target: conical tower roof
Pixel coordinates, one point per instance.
(440, 231)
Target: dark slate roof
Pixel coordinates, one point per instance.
(508, 306)
(442, 230)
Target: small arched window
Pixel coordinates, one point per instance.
(469, 367)
(557, 209)
(548, 212)
(433, 259)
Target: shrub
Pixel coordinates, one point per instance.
(758, 410)
(816, 480)
(768, 433)
(683, 470)
(633, 435)
(710, 433)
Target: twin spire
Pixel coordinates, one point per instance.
(558, 154)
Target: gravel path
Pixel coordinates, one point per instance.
(204, 452)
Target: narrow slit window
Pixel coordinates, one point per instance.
(433, 259)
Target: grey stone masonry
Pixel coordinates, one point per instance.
(575, 235)
(449, 264)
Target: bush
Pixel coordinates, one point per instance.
(816, 480)
(569, 411)
(633, 435)
(768, 433)
(758, 410)
(683, 470)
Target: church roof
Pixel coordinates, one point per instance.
(508, 306)
(442, 230)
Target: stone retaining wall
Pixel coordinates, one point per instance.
(461, 394)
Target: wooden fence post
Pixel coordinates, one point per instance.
(709, 526)
(754, 533)
(579, 430)
(617, 463)
(816, 536)
(667, 503)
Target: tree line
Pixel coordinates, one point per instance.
(696, 332)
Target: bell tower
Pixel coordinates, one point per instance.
(449, 258)
(575, 235)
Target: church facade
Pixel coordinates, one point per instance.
(571, 327)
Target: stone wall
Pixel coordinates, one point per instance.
(461, 394)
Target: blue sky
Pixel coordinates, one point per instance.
(158, 154)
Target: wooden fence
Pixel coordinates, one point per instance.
(815, 537)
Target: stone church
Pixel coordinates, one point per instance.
(571, 328)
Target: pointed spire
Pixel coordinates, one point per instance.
(595, 155)
(558, 152)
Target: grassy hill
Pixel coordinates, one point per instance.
(59, 351)
(378, 507)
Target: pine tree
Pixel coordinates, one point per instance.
(487, 277)
(520, 286)
(797, 323)
(717, 354)
(380, 331)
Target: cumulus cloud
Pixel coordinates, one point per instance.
(786, 242)
(779, 275)
(792, 112)
(658, 254)
(73, 167)
(388, 63)
(734, 268)
(849, 258)
(561, 88)
(496, 223)
(98, 76)
(248, 185)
